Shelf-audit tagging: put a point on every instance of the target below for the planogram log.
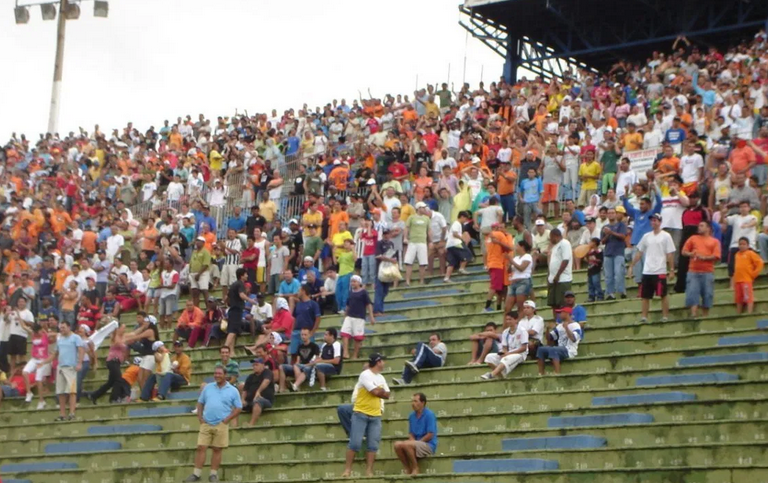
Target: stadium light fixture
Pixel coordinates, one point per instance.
(48, 11)
(73, 11)
(100, 9)
(21, 14)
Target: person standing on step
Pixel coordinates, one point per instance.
(560, 269)
(614, 238)
(115, 358)
(700, 252)
(237, 295)
(218, 404)
(307, 316)
(353, 327)
(385, 252)
(432, 354)
(641, 219)
(658, 248)
(422, 436)
(69, 353)
(748, 266)
(498, 245)
(457, 254)
(513, 350)
(368, 405)
(416, 231)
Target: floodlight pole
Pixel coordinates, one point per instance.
(58, 68)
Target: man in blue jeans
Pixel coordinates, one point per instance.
(371, 389)
(424, 356)
(385, 252)
(614, 236)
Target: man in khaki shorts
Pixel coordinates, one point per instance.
(422, 436)
(217, 405)
(70, 350)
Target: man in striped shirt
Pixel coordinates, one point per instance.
(232, 249)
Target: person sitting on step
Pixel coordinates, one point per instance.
(428, 355)
(483, 343)
(513, 351)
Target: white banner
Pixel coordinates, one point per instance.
(641, 161)
(479, 3)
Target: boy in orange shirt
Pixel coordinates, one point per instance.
(748, 266)
(498, 244)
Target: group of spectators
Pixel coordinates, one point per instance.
(653, 170)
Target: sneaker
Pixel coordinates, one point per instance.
(294, 388)
(487, 376)
(643, 320)
(623, 296)
(60, 418)
(194, 411)
(71, 417)
(213, 478)
(664, 319)
(412, 366)
(487, 309)
(29, 397)
(463, 271)
(41, 405)
(157, 399)
(192, 478)
(447, 280)
(340, 312)
(590, 299)
(610, 297)
(324, 389)
(91, 398)
(398, 382)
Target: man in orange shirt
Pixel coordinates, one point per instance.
(668, 164)
(703, 250)
(498, 244)
(149, 236)
(742, 158)
(506, 182)
(190, 324)
(60, 219)
(339, 175)
(337, 216)
(748, 266)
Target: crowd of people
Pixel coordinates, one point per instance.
(652, 173)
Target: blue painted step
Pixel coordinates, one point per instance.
(410, 304)
(643, 398)
(504, 465)
(762, 324)
(13, 480)
(124, 428)
(553, 442)
(36, 467)
(744, 339)
(723, 359)
(599, 420)
(391, 318)
(83, 447)
(369, 331)
(167, 411)
(705, 378)
(432, 293)
(184, 395)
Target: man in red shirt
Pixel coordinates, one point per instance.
(250, 259)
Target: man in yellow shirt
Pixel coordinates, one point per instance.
(632, 140)
(267, 208)
(589, 173)
(371, 389)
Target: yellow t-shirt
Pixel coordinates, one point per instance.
(589, 169)
(406, 211)
(338, 239)
(315, 218)
(365, 402)
(268, 210)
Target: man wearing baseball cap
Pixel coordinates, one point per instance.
(199, 274)
(565, 336)
(371, 390)
(658, 248)
(258, 390)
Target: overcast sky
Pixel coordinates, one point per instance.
(158, 59)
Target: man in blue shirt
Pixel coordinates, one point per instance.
(288, 289)
(642, 224)
(306, 315)
(614, 238)
(531, 189)
(422, 436)
(70, 350)
(205, 217)
(237, 221)
(217, 405)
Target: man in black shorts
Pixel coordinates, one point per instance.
(560, 270)
(236, 297)
(659, 250)
(456, 255)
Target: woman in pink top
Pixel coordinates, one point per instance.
(40, 343)
(118, 350)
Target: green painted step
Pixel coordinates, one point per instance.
(715, 454)
(470, 419)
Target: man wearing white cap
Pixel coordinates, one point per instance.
(358, 305)
(199, 274)
(416, 229)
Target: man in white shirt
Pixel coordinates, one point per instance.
(533, 324)
(175, 189)
(659, 250)
(691, 165)
(566, 335)
(513, 351)
(743, 225)
(436, 245)
(560, 269)
(625, 179)
(148, 189)
(425, 356)
(456, 255)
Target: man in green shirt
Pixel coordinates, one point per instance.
(416, 229)
(445, 98)
(609, 162)
(312, 243)
(199, 273)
